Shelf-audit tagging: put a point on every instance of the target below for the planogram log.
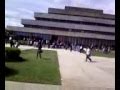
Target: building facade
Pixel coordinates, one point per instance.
(72, 24)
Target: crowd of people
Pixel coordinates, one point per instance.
(55, 44)
(39, 43)
(13, 42)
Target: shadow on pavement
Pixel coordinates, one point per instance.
(94, 62)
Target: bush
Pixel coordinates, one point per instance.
(12, 53)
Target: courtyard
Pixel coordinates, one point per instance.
(76, 74)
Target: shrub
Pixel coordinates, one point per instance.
(12, 53)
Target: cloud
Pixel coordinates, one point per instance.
(108, 6)
(15, 10)
(11, 13)
(13, 17)
(13, 22)
(25, 10)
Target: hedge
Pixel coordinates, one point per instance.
(12, 53)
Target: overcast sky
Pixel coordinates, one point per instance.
(15, 10)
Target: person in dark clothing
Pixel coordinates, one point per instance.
(11, 43)
(48, 44)
(39, 49)
(65, 45)
(70, 47)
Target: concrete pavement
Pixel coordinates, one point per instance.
(10, 85)
(80, 75)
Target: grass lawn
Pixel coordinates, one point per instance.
(100, 54)
(33, 70)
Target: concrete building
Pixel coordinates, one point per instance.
(72, 24)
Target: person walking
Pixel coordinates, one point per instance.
(39, 51)
(88, 54)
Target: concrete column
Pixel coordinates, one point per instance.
(82, 41)
(89, 42)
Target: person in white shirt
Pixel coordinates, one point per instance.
(17, 44)
(81, 48)
(10, 38)
(88, 54)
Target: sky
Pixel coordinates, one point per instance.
(15, 10)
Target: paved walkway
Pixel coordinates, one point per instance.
(80, 75)
(77, 74)
(9, 85)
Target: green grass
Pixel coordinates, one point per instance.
(33, 70)
(100, 54)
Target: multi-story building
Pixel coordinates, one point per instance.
(72, 24)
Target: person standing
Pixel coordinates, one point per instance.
(81, 48)
(71, 47)
(17, 44)
(31, 42)
(103, 49)
(11, 43)
(88, 54)
(48, 44)
(10, 38)
(39, 49)
(109, 49)
(65, 45)
(14, 41)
